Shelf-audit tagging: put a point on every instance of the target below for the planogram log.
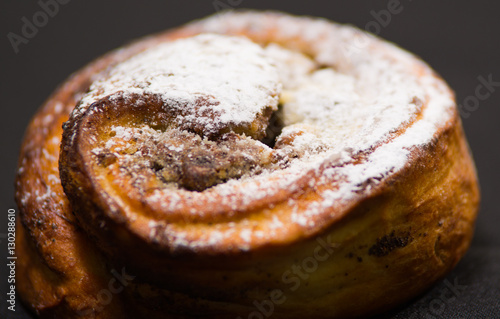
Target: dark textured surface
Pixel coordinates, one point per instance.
(471, 290)
(459, 39)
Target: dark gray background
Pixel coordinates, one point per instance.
(459, 39)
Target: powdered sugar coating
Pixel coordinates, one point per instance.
(339, 102)
(232, 74)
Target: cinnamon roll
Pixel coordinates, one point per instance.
(247, 165)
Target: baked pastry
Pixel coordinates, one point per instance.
(246, 165)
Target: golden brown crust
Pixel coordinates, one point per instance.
(369, 254)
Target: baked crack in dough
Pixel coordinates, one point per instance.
(246, 159)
